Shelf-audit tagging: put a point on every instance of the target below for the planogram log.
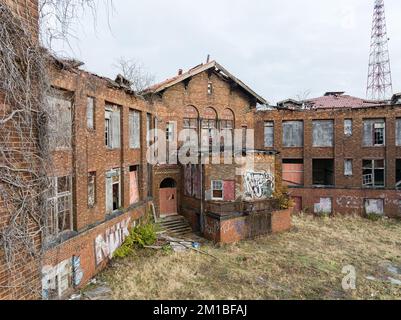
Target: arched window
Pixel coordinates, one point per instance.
(209, 125)
(227, 125)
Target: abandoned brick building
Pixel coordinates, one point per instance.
(343, 149)
(337, 153)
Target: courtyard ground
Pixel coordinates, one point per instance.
(306, 263)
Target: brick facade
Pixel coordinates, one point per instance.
(347, 193)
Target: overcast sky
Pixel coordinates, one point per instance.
(280, 48)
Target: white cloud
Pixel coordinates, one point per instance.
(278, 47)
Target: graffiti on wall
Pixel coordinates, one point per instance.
(259, 185)
(58, 280)
(106, 244)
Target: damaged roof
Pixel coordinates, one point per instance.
(199, 69)
(339, 100)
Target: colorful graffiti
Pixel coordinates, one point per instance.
(259, 185)
(106, 244)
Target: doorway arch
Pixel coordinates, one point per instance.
(168, 197)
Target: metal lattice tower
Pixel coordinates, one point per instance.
(379, 76)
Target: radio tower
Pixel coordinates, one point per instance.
(379, 76)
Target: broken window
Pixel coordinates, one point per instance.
(170, 131)
(59, 204)
(373, 173)
(227, 133)
(91, 189)
(244, 134)
(293, 133)
(398, 174)
(90, 113)
(112, 127)
(60, 122)
(348, 167)
(134, 184)
(374, 206)
(398, 133)
(148, 129)
(323, 172)
(217, 190)
(348, 127)
(324, 206)
(208, 129)
(293, 172)
(323, 133)
(269, 134)
(374, 133)
(134, 129)
(209, 88)
(113, 190)
(192, 181)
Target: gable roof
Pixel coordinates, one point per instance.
(199, 69)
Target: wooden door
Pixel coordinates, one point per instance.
(168, 201)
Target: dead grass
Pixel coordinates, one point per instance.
(306, 263)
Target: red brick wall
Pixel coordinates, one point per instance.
(84, 247)
(28, 11)
(344, 148)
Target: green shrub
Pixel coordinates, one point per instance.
(282, 196)
(140, 236)
(373, 217)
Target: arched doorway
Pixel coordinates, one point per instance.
(168, 197)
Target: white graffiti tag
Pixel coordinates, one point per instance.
(259, 185)
(106, 245)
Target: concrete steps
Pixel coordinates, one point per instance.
(175, 226)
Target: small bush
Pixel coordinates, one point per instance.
(140, 236)
(282, 196)
(373, 217)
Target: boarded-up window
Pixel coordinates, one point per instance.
(134, 129)
(269, 134)
(348, 127)
(229, 190)
(91, 189)
(112, 127)
(293, 134)
(374, 206)
(324, 206)
(398, 132)
(323, 133)
(90, 113)
(348, 167)
(133, 183)
(113, 190)
(293, 172)
(192, 181)
(59, 122)
(374, 132)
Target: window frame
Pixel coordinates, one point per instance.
(315, 143)
(286, 122)
(94, 176)
(134, 139)
(268, 124)
(351, 174)
(54, 197)
(91, 107)
(373, 170)
(110, 175)
(214, 189)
